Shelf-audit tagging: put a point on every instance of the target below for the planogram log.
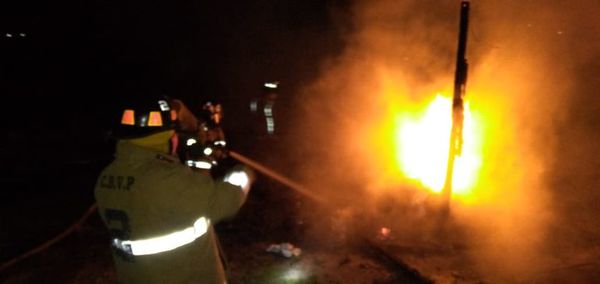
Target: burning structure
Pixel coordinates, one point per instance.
(380, 115)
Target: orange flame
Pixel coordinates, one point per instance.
(422, 141)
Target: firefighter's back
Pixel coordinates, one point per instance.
(159, 219)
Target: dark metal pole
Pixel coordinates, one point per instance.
(460, 85)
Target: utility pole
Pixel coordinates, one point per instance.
(460, 85)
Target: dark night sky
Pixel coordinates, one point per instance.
(78, 57)
(60, 83)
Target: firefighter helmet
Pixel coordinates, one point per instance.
(146, 116)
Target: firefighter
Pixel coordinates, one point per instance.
(203, 148)
(263, 108)
(159, 213)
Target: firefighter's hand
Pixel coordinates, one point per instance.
(241, 176)
(187, 120)
(220, 152)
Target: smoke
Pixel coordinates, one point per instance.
(530, 86)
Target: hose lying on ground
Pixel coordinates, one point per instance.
(52, 241)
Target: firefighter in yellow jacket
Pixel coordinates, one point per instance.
(159, 213)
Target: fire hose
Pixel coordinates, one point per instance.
(52, 241)
(274, 175)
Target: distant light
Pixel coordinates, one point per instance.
(271, 85)
(8, 35)
(207, 151)
(559, 32)
(22, 34)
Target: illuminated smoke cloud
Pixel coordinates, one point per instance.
(528, 74)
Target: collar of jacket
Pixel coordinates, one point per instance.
(130, 151)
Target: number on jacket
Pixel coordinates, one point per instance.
(119, 230)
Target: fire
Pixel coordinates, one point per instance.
(422, 141)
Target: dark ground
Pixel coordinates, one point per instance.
(269, 217)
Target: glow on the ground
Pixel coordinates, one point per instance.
(294, 274)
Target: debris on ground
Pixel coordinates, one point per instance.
(285, 249)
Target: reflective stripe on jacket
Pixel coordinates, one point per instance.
(160, 215)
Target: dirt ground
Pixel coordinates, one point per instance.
(84, 257)
(268, 218)
(271, 216)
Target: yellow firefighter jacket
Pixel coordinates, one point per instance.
(160, 215)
